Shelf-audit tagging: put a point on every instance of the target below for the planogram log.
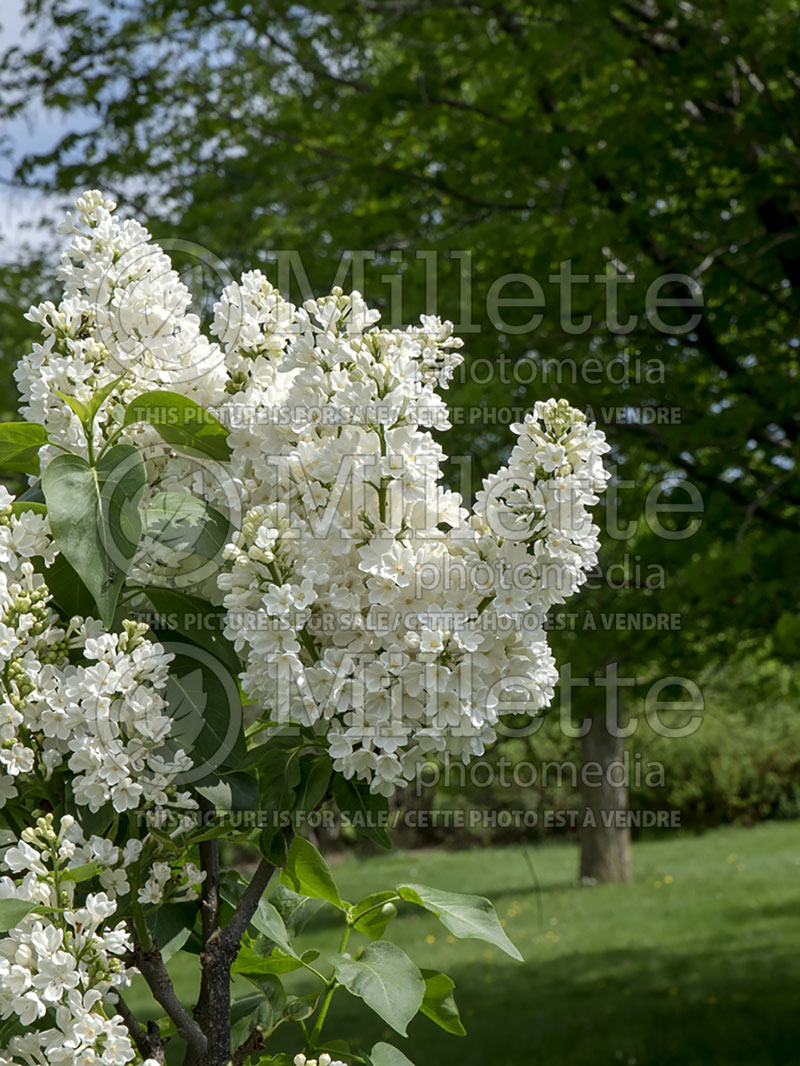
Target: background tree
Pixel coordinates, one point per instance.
(634, 139)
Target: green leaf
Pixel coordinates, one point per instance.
(99, 397)
(254, 963)
(12, 911)
(387, 1055)
(308, 874)
(32, 494)
(95, 519)
(467, 917)
(19, 507)
(19, 446)
(78, 874)
(278, 775)
(373, 914)
(275, 848)
(182, 523)
(93, 823)
(269, 923)
(231, 792)
(78, 406)
(299, 1008)
(204, 702)
(180, 422)
(337, 1049)
(86, 411)
(171, 926)
(70, 595)
(368, 813)
(386, 979)
(315, 776)
(197, 620)
(439, 1003)
(265, 1010)
(295, 909)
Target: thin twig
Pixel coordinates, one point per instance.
(232, 934)
(151, 966)
(148, 1042)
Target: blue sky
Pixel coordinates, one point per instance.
(21, 207)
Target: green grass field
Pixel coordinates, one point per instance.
(697, 962)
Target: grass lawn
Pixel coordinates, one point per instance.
(697, 962)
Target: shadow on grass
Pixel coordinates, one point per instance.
(637, 1008)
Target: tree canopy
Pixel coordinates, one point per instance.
(630, 141)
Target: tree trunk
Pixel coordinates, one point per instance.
(605, 846)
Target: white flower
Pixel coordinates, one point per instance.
(115, 881)
(8, 790)
(324, 1060)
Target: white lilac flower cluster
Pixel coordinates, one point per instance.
(123, 327)
(58, 964)
(124, 318)
(103, 718)
(77, 701)
(363, 596)
(538, 503)
(22, 536)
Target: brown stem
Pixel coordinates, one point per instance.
(231, 935)
(220, 948)
(148, 1042)
(151, 966)
(209, 911)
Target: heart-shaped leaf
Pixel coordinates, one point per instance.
(197, 620)
(387, 1055)
(19, 446)
(386, 979)
(180, 422)
(308, 874)
(373, 914)
(12, 911)
(367, 812)
(204, 702)
(95, 519)
(184, 524)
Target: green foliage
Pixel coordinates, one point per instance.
(185, 524)
(265, 1010)
(308, 874)
(619, 136)
(171, 926)
(374, 913)
(204, 703)
(12, 911)
(658, 141)
(387, 1055)
(95, 518)
(464, 916)
(739, 765)
(195, 620)
(366, 812)
(19, 446)
(439, 1004)
(701, 968)
(181, 422)
(386, 979)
